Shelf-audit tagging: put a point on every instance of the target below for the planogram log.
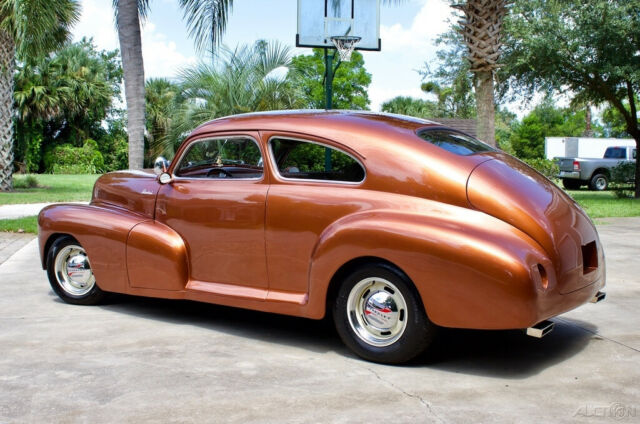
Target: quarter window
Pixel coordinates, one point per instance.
(237, 158)
(310, 161)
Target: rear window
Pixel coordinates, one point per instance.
(455, 142)
(615, 153)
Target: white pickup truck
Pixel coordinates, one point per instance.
(596, 173)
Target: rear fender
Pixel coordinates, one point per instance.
(471, 273)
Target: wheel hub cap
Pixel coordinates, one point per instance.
(381, 311)
(78, 270)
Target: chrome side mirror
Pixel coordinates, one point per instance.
(165, 178)
(160, 165)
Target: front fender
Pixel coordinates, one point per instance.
(474, 272)
(101, 231)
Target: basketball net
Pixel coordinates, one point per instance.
(345, 45)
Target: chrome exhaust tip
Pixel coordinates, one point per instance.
(541, 329)
(598, 297)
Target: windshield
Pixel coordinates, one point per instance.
(454, 142)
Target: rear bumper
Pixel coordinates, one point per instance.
(573, 175)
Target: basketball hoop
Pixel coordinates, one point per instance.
(345, 45)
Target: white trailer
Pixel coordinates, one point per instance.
(582, 147)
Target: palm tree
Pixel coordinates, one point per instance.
(28, 28)
(246, 79)
(206, 20)
(481, 29)
(162, 98)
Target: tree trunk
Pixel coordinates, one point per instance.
(133, 68)
(486, 107)
(7, 65)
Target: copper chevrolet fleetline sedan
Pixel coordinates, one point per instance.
(395, 226)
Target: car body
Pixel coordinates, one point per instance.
(396, 225)
(593, 172)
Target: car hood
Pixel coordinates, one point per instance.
(132, 190)
(511, 191)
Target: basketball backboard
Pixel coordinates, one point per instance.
(319, 20)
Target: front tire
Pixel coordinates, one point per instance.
(599, 182)
(70, 273)
(379, 315)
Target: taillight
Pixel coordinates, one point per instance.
(576, 165)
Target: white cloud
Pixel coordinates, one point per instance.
(404, 52)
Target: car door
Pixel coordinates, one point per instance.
(315, 182)
(216, 202)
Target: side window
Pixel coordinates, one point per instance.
(311, 161)
(221, 158)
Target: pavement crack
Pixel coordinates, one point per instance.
(404, 392)
(595, 333)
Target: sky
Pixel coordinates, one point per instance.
(407, 31)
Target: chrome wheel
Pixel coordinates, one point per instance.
(601, 183)
(377, 311)
(73, 270)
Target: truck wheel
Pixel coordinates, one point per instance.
(379, 315)
(570, 184)
(599, 182)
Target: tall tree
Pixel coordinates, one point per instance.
(206, 20)
(589, 47)
(481, 28)
(350, 81)
(28, 28)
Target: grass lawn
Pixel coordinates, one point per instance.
(605, 204)
(29, 224)
(52, 188)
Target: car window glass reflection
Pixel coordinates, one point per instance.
(238, 158)
(455, 142)
(310, 161)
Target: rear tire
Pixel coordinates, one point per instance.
(571, 184)
(70, 273)
(599, 182)
(379, 315)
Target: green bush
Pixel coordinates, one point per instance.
(33, 153)
(622, 179)
(546, 167)
(28, 181)
(66, 159)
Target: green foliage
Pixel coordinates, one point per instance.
(246, 79)
(589, 47)
(24, 181)
(350, 82)
(66, 159)
(33, 153)
(162, 100)
(545, 120)
(546, 167)
(623, 179)
(64, 98)
(411, 106)
(451, 81)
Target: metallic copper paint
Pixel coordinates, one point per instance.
(469, 231)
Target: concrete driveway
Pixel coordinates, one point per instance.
(139, 360)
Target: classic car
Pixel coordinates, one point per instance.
(395, 226)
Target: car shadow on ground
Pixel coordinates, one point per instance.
(503, 354)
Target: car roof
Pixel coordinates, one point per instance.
(322, 123)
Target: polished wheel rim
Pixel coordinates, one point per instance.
(601, 183)
(377, 311)
(73, 271)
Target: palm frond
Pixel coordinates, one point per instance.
(206, 21)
